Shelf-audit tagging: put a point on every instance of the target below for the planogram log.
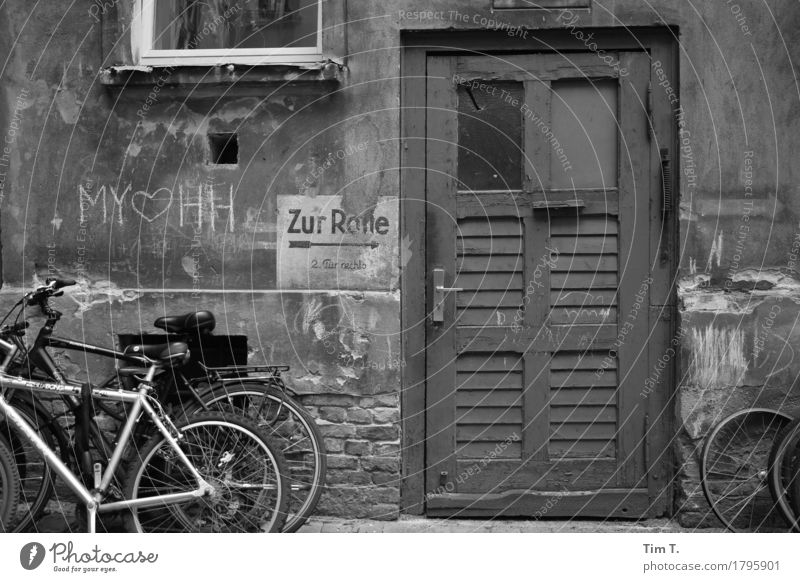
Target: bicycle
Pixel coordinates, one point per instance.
(37, 484)
(736, 467)
(784, 466)
(265, 398)
(9, 486)
(232, 482)
(257, 391)
(794, 495)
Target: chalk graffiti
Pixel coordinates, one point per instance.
(197, 207)
(139, 202)
(588, 314)
(205, 208)
(85, 200)
(583, 297)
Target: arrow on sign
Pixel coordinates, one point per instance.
(307, 244)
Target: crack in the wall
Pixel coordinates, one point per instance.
(88, 294)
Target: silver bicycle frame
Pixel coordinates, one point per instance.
(139, 399)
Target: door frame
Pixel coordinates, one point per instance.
(661, 43)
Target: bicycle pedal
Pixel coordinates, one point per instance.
(98, 475)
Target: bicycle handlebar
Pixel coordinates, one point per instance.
(58, 282)
(40, 295)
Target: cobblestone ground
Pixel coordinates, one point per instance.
(61, 519)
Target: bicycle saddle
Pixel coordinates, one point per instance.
(195, 322)
(174, 352)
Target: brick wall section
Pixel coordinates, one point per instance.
(362, 436)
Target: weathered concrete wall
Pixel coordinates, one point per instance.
(113, 187)
(101, 188)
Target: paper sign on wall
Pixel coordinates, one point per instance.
(322, 245)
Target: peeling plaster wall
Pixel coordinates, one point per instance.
(99, 191)
(115, 188)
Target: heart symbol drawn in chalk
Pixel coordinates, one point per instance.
(144, 197)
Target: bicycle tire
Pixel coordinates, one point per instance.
(154, 469)
(290, 425)
(37, 478)
(785, 454)
(794, 492)
(9, 487)
(737, 451)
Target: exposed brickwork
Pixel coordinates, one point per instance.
(362, 436)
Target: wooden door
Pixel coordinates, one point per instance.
(539, 194)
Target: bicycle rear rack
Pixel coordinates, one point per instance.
(270, 371)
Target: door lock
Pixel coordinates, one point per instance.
(439, 294)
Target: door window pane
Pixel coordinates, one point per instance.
(490, 136)
(584, 115)
(241, 24)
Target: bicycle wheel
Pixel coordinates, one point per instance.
(240, 462)
(735, 468)
(37, 478)
(293, 430)
(783, 460)
(9, 487)
(794, 489)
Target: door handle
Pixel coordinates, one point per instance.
(439, 294)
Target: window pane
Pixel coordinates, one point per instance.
(490, 137)
(241, 24)
(584, 117)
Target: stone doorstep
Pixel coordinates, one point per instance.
(61, 520)
(408, 524)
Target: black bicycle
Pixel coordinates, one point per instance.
(213, 472)
(258, 392)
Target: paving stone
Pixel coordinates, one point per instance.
(53, 523)
(311, 527)
(371, 527)
(56, 522)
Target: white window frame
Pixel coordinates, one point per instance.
(143, 32)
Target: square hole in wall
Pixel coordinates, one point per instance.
(224, 148)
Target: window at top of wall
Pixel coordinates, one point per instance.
(203, 32)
